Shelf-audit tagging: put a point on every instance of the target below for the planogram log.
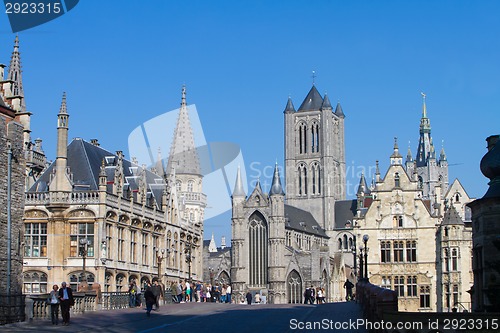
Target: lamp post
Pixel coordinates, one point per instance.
(84, 242)
(355, 257)
(211, 270)
(361, 262)
(365, 240)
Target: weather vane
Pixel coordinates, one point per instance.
(313, 76)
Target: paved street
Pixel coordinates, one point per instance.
(207, 317)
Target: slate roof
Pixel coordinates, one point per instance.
(85, 160)
(303, 221)
(345, 210)
(451, 217)
(312, 102)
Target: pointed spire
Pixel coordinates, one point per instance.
(338, 111)
(409, 157)
(396, 149)
(183, 154)
(362, 187)
(289, 106)
(442, 154)
(238, 191)
(15, 75)
(313, 101)
(63, 108)
(326, 103)
(212, 247)
(159, 164)
(276, 188)
(424, 108)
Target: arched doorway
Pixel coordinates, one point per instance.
(294, 288)
(223, 278)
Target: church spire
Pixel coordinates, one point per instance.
(396, 157)
(409, 157)
(15, 75)
(424, 143)
(276, 188)
(326, 103)
(238, 191)
(62, 182)
(183, 154)
(289, 106)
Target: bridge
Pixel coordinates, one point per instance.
(208, 317)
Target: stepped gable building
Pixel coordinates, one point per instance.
(280, 242)
(419, 230)
(95, 217)
(486, 234)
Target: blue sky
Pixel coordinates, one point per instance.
(124, 62)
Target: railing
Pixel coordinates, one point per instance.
(193, 197)
(375, 300)
(11, 308)
(41, 198)
(84, 302)
(78, 197)
(85, 197)
(115, 300)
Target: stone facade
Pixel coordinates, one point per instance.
(95, 217)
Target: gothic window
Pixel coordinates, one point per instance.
(446, 260)
(396, 180)
(454, 260)
(35, 239)
(411, 251)
(76, 278)
(178, 185)
(302, 170)
(34, 283)
(386, 282)
(288, 238)
(399, 285)
(302, 138)
(340, 243)
(316, 183)
(400, 221)
(457, 197)
(80, 231)
(351, 244)
(133, 245)
(398, 251)
(314, 137)
(258, 249)
(385, 251)
(120, 278)
(155, 248)
(455, 295)
(420, 182)
(109, 238)
(411, 286)
(294, 288)
(425, 297)
(345, 242)
(107, 282)
(190, 186)
(144, 254)
(120, 244)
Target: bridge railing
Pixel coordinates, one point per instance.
(375, 300)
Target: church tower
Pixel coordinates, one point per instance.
(184, 162)
(431, 171)
(315, 156)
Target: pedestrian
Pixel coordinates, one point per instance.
(197, 295)
(150, 298)
(53, 300)
(307, 295)
(257, 298)
(156, 289)
(187, 288)
(249, 297)
(132, 294)
(348, 287)
(138, 297)
(319, 297)
(179, 292)
(228, 294)
(223, 294)
(313, 294)
(66, 300)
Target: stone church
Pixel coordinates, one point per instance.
(281, 242)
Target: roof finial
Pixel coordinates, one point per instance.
(183, 100)
(313, 76)
(63, 108)
(424, 108)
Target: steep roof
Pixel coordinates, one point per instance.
(345, 211)
(303, 221)
(451, 216)
(85, 160)
(312, 102)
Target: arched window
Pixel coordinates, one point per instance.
(190, 186)
(302, 173)
(107, 282)
(314, 137)
(258, 249)
(76, 278)
(316, 179)
(294, 288)
(345, 242)
(120, 282)
(340, 243)
(302, 133)
(457, 197)
(396, 180)
(178, 185)
(35, 282)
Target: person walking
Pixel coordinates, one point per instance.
(66, 300)
(54, 304)
(150, 298)
(132, 294)
(228, 294)
(249, 297)
(156, 289)
(348, 287)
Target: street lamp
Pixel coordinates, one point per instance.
(365, 240)
(361, 262)
(189, 257)
(211, 270)
(84, 243)
(355, 257)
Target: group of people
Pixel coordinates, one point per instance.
(60, 298)
(312, 295)
(185, 291)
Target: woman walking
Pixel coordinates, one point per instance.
(54, 304)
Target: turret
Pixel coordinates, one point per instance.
(62, 180)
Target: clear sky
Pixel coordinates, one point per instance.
(123, 63)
